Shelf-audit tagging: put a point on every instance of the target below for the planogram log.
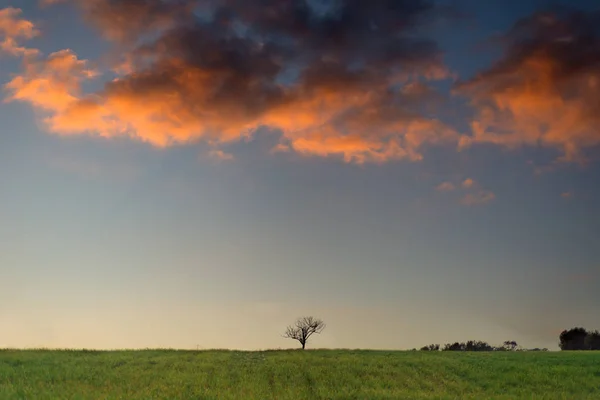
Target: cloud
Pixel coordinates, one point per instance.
(221, 155)
(544, 91)
(473, 193)
(350, 81)
(446, 187)
(50, 2)
(468, 183)
(129, 20)
(280, 148)
(479, 197)
(12, 29)
(51, 84)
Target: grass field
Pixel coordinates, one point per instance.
(315, 374)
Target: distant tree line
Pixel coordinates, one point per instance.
(579, 339)
(571, 339)
(477, 345)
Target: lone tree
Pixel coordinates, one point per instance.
(303, 329)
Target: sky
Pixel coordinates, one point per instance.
(199, 173)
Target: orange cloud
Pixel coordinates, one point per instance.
(468, 183)
(53, 84)
(185, 110)
(545, 91)
(200, 80)
(14, 28)
(356, 124)
(158, 115)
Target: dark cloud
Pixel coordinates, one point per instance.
(335, 77)
(126, 19)
(544, 91)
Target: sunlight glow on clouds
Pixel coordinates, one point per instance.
(362, 93)
(52, 84)
(202, 80)
(544, 92)
(13, 28)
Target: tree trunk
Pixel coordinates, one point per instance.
(303, 345)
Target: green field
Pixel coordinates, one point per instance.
(314, 374)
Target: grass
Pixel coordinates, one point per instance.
(313, 374)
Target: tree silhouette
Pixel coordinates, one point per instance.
(471, 345)
(456, 346)
(477, 345)
(592, 341)
(509, 345)
(304, 328)
(573, 339)
(431, 347)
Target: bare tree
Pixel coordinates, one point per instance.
(303, 329)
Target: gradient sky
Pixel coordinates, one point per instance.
(199, 173)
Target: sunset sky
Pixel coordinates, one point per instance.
(199, 173)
